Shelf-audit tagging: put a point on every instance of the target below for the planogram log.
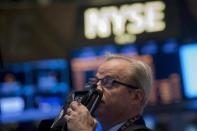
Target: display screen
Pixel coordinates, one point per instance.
(188, 55)
(163, 57)
(33, 90)
(11, 105)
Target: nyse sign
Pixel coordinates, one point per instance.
(125, 20)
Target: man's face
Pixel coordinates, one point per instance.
(116, 99)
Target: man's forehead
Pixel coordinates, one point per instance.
(102, 70)
(111, 67)
(107, 66)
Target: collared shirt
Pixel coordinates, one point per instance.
(137, 124)
(116, 127)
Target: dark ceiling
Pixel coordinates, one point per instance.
(31, 30)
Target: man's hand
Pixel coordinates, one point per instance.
(79, 118)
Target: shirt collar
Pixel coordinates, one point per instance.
(116, 127)
(139, 121)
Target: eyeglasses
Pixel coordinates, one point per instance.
(110, 82)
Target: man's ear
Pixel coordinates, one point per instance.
(137, 96)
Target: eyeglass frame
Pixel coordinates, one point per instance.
(96, 79)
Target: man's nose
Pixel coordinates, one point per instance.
(99, 87)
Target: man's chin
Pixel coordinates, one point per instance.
(99, 113)
(99, 110)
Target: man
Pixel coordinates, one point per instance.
(126, 84)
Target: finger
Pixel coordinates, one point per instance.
(67, 118)
(74, 105)
(95, 122)
(69, 111)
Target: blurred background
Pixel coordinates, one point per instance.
(51, 47)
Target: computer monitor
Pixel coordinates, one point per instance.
(33, 90)
(188, 55)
